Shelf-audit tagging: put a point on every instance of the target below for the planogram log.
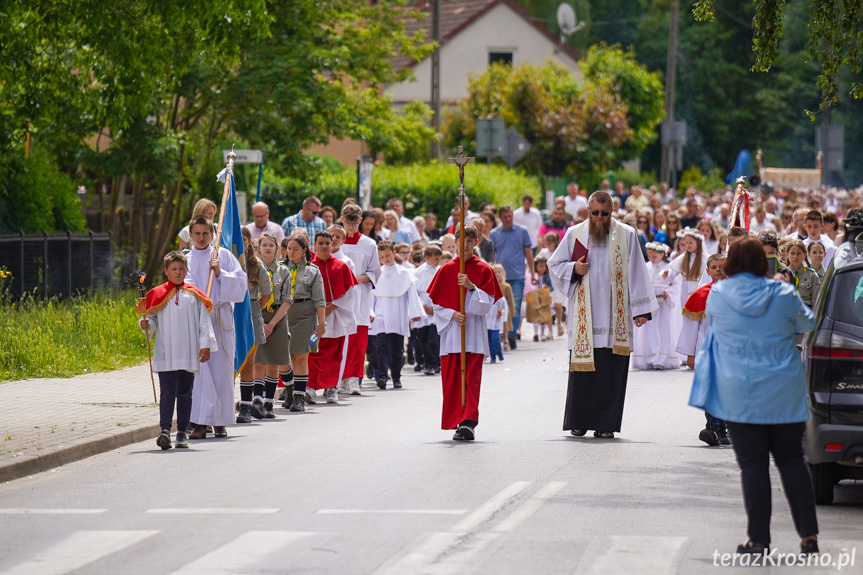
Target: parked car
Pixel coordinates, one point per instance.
(833, 355)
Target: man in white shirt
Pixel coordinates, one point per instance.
(529, 218)
(574, 200)
(760, 223)
(813, 222)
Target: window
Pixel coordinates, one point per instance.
(500, 57)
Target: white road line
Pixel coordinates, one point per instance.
(391, 511)
(461, 560)
(442, 553)
(79, 549)
(645, 555)
(214, 511)
(243, 554)
(423, 555)
(45, 511)
(490, 507)
(529, 507)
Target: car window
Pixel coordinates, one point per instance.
(846, 298)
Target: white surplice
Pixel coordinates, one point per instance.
(641, 298)
(425, 274)
(476, 305)
(364, 255)
(497, 315)
(692, 334)
(213, 391)
(395, 301)
(653, 345)
(179, 332)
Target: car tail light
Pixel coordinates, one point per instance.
(836, 346)
(833, 447)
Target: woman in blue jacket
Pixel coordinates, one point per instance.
(748, 372)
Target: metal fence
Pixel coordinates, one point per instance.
(57, 265)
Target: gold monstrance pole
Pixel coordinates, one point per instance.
(461, 161)
(225, 195)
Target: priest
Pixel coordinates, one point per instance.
(362, 250)
(599, 266)
(338, 279)
(213, 390)
(482, 290)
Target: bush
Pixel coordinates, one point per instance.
(63, 339)
(37, 197)
(712, 182)
(422, 188)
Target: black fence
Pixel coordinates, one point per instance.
(57, 265)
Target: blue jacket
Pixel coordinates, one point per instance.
(748, 369)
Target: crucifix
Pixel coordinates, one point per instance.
(461, 161)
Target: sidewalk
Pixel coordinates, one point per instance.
(45, 423)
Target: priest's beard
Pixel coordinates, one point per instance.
(599, 231)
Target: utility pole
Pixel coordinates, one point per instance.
(435, 79)
(667, 168)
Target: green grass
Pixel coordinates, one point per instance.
(63, 339)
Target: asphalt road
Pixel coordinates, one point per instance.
(372, 485)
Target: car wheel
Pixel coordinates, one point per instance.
(823, 480)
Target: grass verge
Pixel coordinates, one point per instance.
(63, 339)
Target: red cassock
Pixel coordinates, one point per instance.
(358, 342)
(444, 291)
(324, 365)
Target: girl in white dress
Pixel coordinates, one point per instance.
(653, 344)
(690, 265)
(710, 244)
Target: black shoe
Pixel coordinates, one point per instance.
(511, 341)
(418, 368)
(299, 402)
(465, 432)
(245, 413)
(437, 371)
(268, 410)
(397, 385)
(258, 409)
(518, 335)
(410, 359)
(709, 436)
(164, 441)
(809, 547)
(284, 394)
(382, 383)
(428, 371)
(370, 371)
(723, 437)
(752, 548)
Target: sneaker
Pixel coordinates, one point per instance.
(500, 357)
(511, 341)
(284, 394)
(535, 337)
(311, 397)
(418, 368)
(182, 442)
(466, 432)
(709, 436)
(354, 386)
(298, 403)
(164, 441)
(382, 383)
(397, 385)
(258, 408)
(370, 371)
(437, 371)
(245, 413)
(493, 360)
(428, 371)
(268, 410)
(331, 395)
(723, 437)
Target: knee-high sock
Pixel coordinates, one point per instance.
(247, 389)
(270, 385)
(287, 377)
(259, 389)
(300, 382)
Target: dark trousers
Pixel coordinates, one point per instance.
(714, 423)
(175, 386)
(753, 444)
(389, 355)
(415, 347)
(429, 341)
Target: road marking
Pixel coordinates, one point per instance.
(644, 555)
(242, 554)
(529, 507)
(77, 550)
(45, 511)
(490, 507)
(441, 553)
(215, 511)
(391, 511)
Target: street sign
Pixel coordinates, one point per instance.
(245, 156)
(673, 135)
(489, 137)
(516, 146)
(831, 141)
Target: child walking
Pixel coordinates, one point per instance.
(177, 316)
(494, 321)
(540, 266)
(653, 345)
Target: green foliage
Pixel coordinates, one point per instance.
(711, 182)
(422, 188)
(409, 134)
(36, 197)
(63, 339)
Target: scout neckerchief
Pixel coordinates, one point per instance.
(581, 356)
(272, 298)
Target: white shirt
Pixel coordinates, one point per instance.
(477, 303)
(425, 274)
(530, 220)
(364, 255)
(757, 228)
(829, 248)
(407, 225)
(493, 320)
(571, 206)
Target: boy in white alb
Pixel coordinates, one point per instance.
(395, 304)
(427, 338)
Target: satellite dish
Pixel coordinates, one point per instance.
(566, 20)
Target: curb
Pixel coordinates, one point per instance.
(74, 451)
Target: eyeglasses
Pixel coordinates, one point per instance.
(602, 213)
(642, 222)
(350, 224)
(315, 213)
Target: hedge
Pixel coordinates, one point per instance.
(422, 188)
